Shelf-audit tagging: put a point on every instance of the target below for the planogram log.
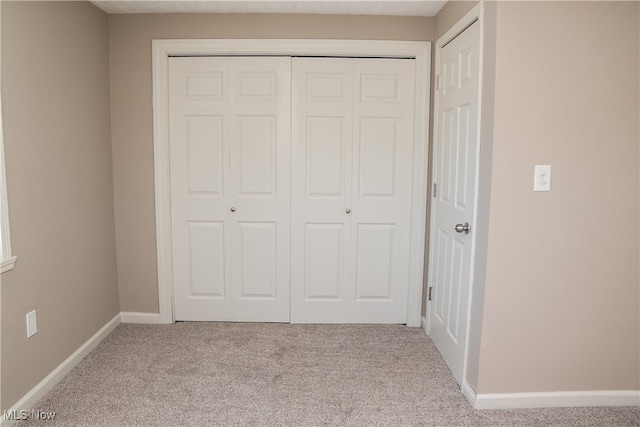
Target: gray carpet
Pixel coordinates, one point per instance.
(272, 374)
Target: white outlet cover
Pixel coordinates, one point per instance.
(542, 178)
(32, 325)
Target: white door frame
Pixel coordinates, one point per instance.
(163, 49)
(475, 14)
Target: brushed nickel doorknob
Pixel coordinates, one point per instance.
(462, 228)
(233, 209)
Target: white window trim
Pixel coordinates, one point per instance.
(8, 260)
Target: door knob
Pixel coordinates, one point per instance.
(233, 209)
(460, 228)
(348, 211)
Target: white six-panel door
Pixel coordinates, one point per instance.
(351, 189)
(349, 175)
(454, 175)
(229, 121)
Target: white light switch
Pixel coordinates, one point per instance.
(542, 178)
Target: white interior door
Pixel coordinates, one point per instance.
(454, 172)
(229, 133)
(351, 189)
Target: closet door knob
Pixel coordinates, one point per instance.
(348, 211)
(233, 209)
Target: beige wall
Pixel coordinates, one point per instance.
(55, 95)
(561, 300)
(130, 50)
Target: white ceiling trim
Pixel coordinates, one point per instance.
(333, 7)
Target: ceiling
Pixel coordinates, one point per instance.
(343, 7)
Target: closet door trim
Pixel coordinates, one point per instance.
(163, 49)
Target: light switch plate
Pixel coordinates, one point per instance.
(542, 178)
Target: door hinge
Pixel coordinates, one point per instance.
(437, 81)
(435, 189)
(429, 295)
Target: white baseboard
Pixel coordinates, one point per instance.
(558, 399)
(131, 317)
(423, 324)
(468, 393)
(37, 392)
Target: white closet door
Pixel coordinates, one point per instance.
(351, 192)
(382, 189)
(321, 189)
(230, 188)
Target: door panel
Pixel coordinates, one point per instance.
(257, 146)
(464, 188)
(324, 261)
(378, 157)
(382, 188)
(321, 189)
(260, 107)
(206, 253)
(441, 273)
(257, 256)
(203, 85)
(230, 156)
(375, 262)
(379, 87)
(456, 147)
(205, 156)
(325, 85)
(199, 156)
(256, 85)
(351, 189)
(325, 156)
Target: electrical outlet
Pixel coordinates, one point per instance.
(32, 325)
(542, 178)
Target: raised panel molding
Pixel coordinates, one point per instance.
(325, 146)
(324, 258)
(257, 140)
(375, 250)
(207, 256)
(450, 76)
(462, 146)
(465, 66)
(379, 88)
(454, 288)
(258, 255)
(205, 161)
(257, 86)
(378, 146)
(442, 274)
(447, 140)
(207, 86)
(326, 87)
